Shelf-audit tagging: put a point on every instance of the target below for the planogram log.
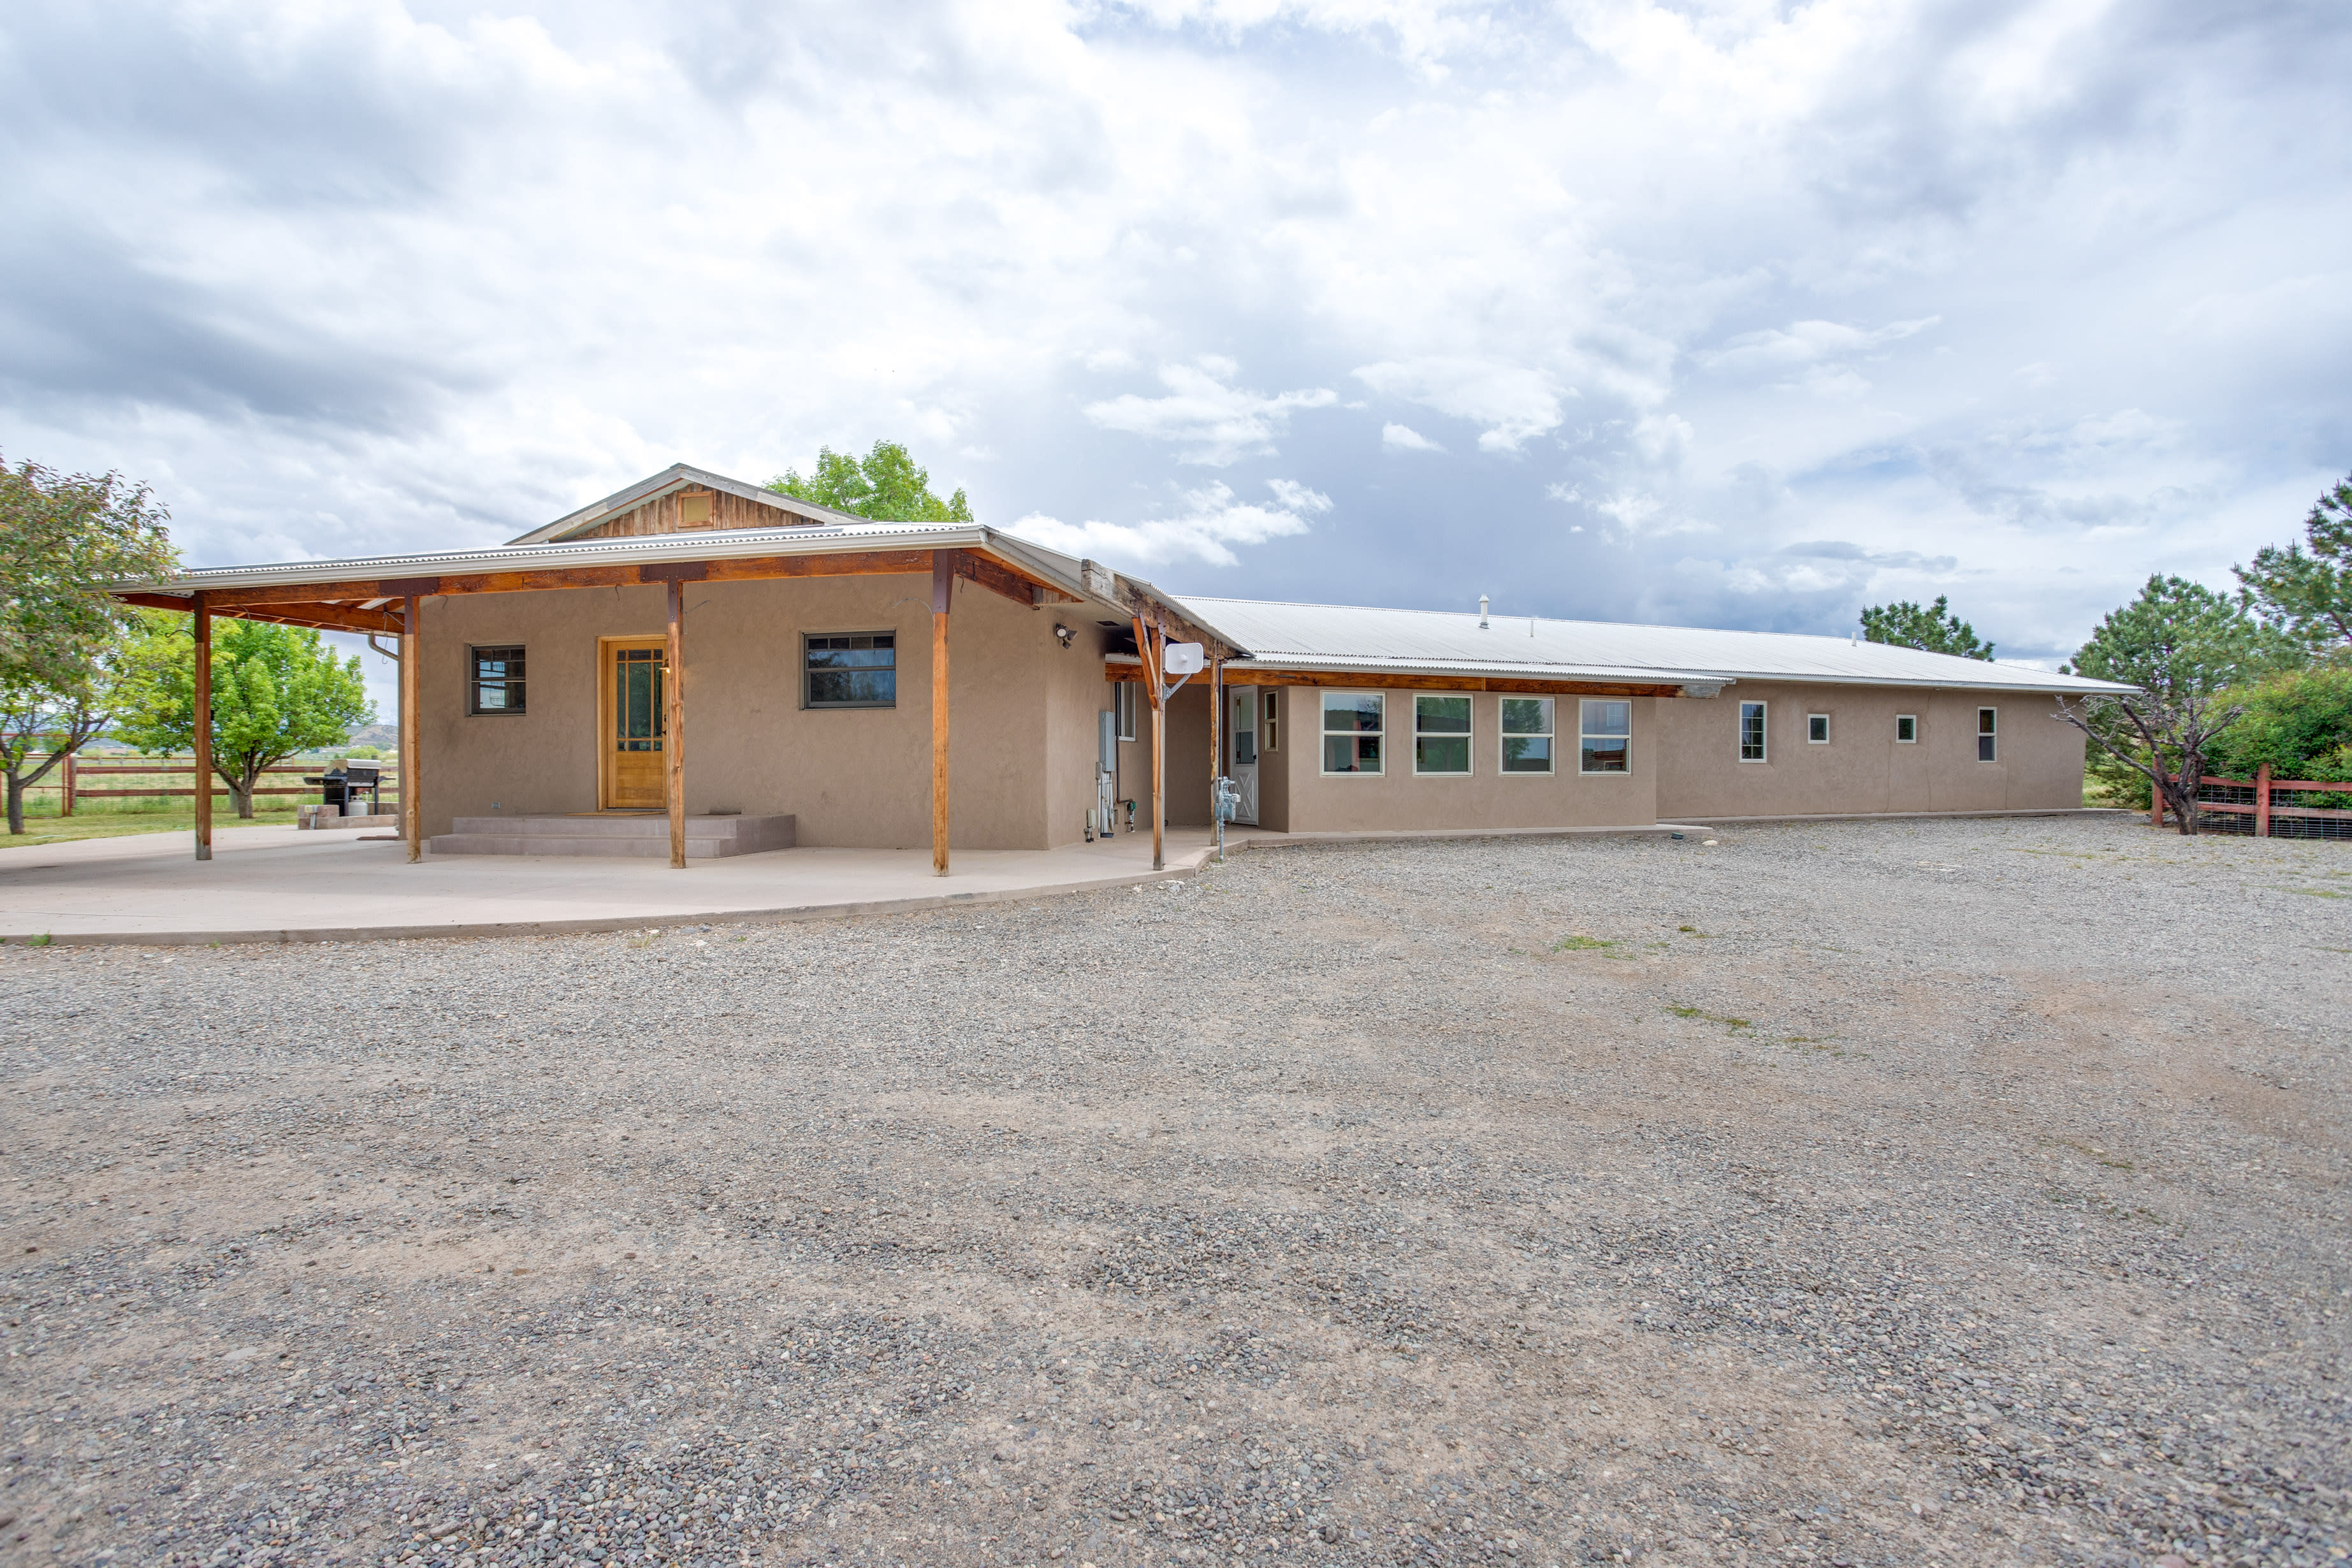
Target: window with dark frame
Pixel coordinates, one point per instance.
(1267, 717)
(1987, 748)
(496, 684)
(850, 669)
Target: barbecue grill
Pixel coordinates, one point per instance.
(344, 784)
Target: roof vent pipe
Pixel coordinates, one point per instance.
(1482, 611)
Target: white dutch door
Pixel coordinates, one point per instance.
(1245, 769)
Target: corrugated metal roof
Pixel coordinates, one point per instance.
(1340, 638)
(701, 544)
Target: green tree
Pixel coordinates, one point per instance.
(1933, 629)
(885, 485)
(2309, 596)
(277, 691)
(64, 540)
(2191, 652)
(2298, 723)
(40, 727)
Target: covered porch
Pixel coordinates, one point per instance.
(280, 885)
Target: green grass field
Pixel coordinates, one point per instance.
(113, 820)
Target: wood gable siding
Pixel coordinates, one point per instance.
(661, 515)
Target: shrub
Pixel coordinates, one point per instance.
(2300, 723)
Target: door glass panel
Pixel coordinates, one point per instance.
(1244, 729)
(638, 699)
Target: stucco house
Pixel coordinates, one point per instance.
(705, 666)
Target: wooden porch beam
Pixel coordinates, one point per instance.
(997, 578)
(322, 617)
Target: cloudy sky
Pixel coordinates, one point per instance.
(1726, 312)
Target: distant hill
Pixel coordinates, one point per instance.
(385, 735)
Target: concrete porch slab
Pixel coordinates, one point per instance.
(282, 885)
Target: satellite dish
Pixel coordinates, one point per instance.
(1183, 659)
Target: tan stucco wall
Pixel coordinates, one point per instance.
(1187, 758)
(1862, 768)
(1399, 799)
(1021, 738)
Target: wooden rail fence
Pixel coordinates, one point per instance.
(70, 774)
(2311, 809)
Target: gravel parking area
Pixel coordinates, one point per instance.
(1892, 1192)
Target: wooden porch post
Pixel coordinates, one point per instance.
(203, 779)
(942, 591)
(673, 723)
(412, 744)
(1154, 656)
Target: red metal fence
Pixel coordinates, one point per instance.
(2268, 807)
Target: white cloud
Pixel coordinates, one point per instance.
(1513, 401)
(2054, 290)
(1206, 526)
(1215, 423)
(1405, 438)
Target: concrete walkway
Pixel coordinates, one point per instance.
(281, 884)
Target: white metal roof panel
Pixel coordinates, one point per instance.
(1337, 636)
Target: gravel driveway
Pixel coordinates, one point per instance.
(1899, 1192)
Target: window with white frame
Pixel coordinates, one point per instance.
(1526, 736)
(1352, 727)
(1441, 735)
(1123, 698)
(1987, 722)
(1751, 732)
(1605, 731)
(1906, 729)
(1817, 729)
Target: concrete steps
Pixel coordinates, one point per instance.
(707, 837)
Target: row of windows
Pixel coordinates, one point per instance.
(1355, 734)
(846, 670)
(1753, 745)
(860, 670)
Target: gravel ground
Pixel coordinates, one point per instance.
(1901, 1193)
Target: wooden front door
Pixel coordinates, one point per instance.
(629, 724)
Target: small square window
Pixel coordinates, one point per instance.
(1988, 720)
(495, 685)
(1751, 732)
(1441, 735)
(1606, 732)
(1527, 735)
(850, 669)
(1906, 729)
(1817, 729)
(1353, 723)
